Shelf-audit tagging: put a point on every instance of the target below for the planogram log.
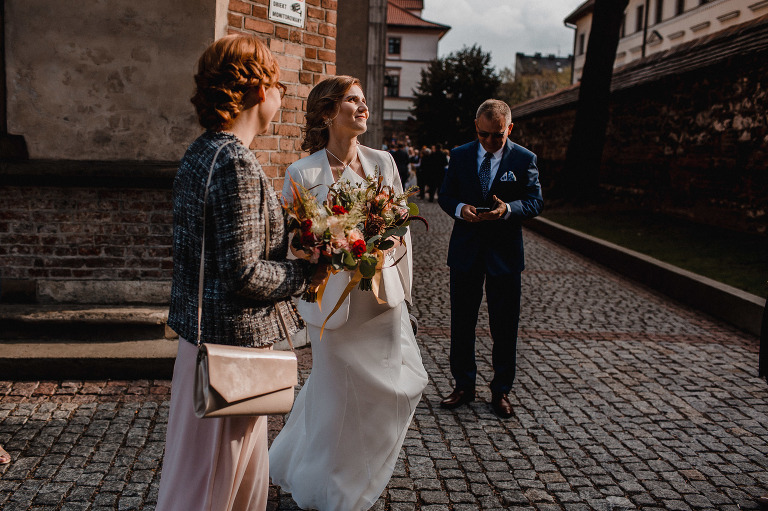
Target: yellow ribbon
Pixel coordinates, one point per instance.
(376, 286)
(352, 283)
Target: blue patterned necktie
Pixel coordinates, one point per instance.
(485, 174)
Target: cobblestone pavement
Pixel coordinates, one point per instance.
(623, 400)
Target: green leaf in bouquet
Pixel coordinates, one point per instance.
(396, 231)
(349, 261)
(368, 267)
(386, 245)
(413, 209)
(371, 242)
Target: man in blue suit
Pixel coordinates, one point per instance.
(491, 185)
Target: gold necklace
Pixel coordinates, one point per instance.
(343, 165)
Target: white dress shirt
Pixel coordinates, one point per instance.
(495, 162)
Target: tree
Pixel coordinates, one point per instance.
(516, 89)
(585, 149)
(449, 92)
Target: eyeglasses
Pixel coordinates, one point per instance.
(282, 88)
(497, 136)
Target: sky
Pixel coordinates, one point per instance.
(504, 27)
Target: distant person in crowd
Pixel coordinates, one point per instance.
(486, 246)
(341, 443)
(421, 170)
(413, 160)
(222, 463)
(435, 170)
(400, 156)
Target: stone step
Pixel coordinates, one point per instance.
(83, 322)
(58, 360)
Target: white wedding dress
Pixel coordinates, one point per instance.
(340, 444)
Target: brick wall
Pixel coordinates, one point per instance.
(306, 56)
(91, 223)
(82, 233)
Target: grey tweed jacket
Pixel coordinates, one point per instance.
(241, 287)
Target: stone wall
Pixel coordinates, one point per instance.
(693, 143)
(104, 80)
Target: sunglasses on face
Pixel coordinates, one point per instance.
(485, 134)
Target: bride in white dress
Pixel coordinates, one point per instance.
(339, 447)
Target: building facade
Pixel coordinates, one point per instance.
(361, 53)
(411, 44)
(651, 26)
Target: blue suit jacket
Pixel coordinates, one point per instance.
(498, 244)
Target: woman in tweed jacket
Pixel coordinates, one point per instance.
(222, 464)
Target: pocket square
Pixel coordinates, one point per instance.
(508, 176)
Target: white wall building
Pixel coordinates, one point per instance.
(652, 26)
(411, 44)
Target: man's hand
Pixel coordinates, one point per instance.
(469, 214)
(499, 210)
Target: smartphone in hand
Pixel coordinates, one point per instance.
(481, 209)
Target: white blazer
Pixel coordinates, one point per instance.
(396, 281)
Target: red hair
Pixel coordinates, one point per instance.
(226, 71)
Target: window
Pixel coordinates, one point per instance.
(679, 7)
(581, 44)
(393, 47)
(392, 84)
(639, 20)
(659, 11)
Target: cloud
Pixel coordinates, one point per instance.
(504, 27)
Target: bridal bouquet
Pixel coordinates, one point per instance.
(350, 230)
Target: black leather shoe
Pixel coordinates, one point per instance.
(501, 405)
(763, 501)
(457, 398)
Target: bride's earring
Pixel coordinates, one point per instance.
(328, 122)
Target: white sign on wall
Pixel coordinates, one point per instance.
(290, 12)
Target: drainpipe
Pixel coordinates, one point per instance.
(12, 147)
(573, 52)
(645, 26)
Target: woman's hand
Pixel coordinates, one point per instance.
(299, 254)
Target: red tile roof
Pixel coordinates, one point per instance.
(411, 5)
(400, 17)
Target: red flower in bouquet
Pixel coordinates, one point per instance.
(358, 248)
(338, 210)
